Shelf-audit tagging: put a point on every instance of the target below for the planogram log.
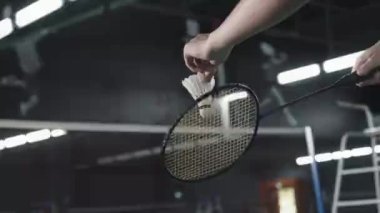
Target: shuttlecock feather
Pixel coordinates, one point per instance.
(198, 87)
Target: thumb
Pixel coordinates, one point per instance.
(373, 81)
(206, 76)
(371, 63)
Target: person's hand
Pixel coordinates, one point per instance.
(366, 62)
(203, 55)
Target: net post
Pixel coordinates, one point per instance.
(314, 170)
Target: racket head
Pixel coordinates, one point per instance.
(198, 148)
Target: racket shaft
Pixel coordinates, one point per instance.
(347, 79)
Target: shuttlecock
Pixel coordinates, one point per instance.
(197, 87)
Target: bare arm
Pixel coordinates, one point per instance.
(368, 61)
(206, 51)
(251, 17)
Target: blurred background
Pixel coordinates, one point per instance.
(120, 61)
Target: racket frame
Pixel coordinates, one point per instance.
(216, 90)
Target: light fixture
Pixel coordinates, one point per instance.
(6, 27)
(341, 63)
(31, 137)
(341, 154)
(363, 151)
(323, 157)
(298, 74)
(178, 195)
(57, 133)
(377, 148)
(304, 160)
(39, 135)
(15, 141)
(36, 11)
(337, 155)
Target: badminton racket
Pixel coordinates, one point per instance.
(197, 148)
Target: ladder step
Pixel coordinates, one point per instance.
(360, 170)
(348, 203)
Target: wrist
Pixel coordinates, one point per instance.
(216, 42)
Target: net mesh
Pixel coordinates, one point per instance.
(199, 147)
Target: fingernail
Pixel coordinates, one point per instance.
(353, 69)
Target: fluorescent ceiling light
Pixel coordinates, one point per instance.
(341, 154)
(337, 155)
(36, 11)
(6, 27)
(323, 157)
(298, 74)
(341, 63)
(31, 137)
(304, 160)
(377, 148)
(39, 135)
(363, 151)
(57, 133)
(15, 141)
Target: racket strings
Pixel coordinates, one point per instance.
(199, 147)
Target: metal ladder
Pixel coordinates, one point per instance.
(341, 171)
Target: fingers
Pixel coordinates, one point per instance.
(197, 57)
(207, 76)
(369, 60)
(206, 71)
(203, 65)
(369, 64)
(204, 68)
(360, 60)
(198, 65)
(366, 63)
(190, 63)
(373, 81)
(192, 60)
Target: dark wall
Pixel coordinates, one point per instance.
(123, 67)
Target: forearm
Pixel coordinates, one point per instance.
(251, 17)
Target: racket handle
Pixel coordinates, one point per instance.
(354, 78)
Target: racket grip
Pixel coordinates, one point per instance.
(354, 78)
